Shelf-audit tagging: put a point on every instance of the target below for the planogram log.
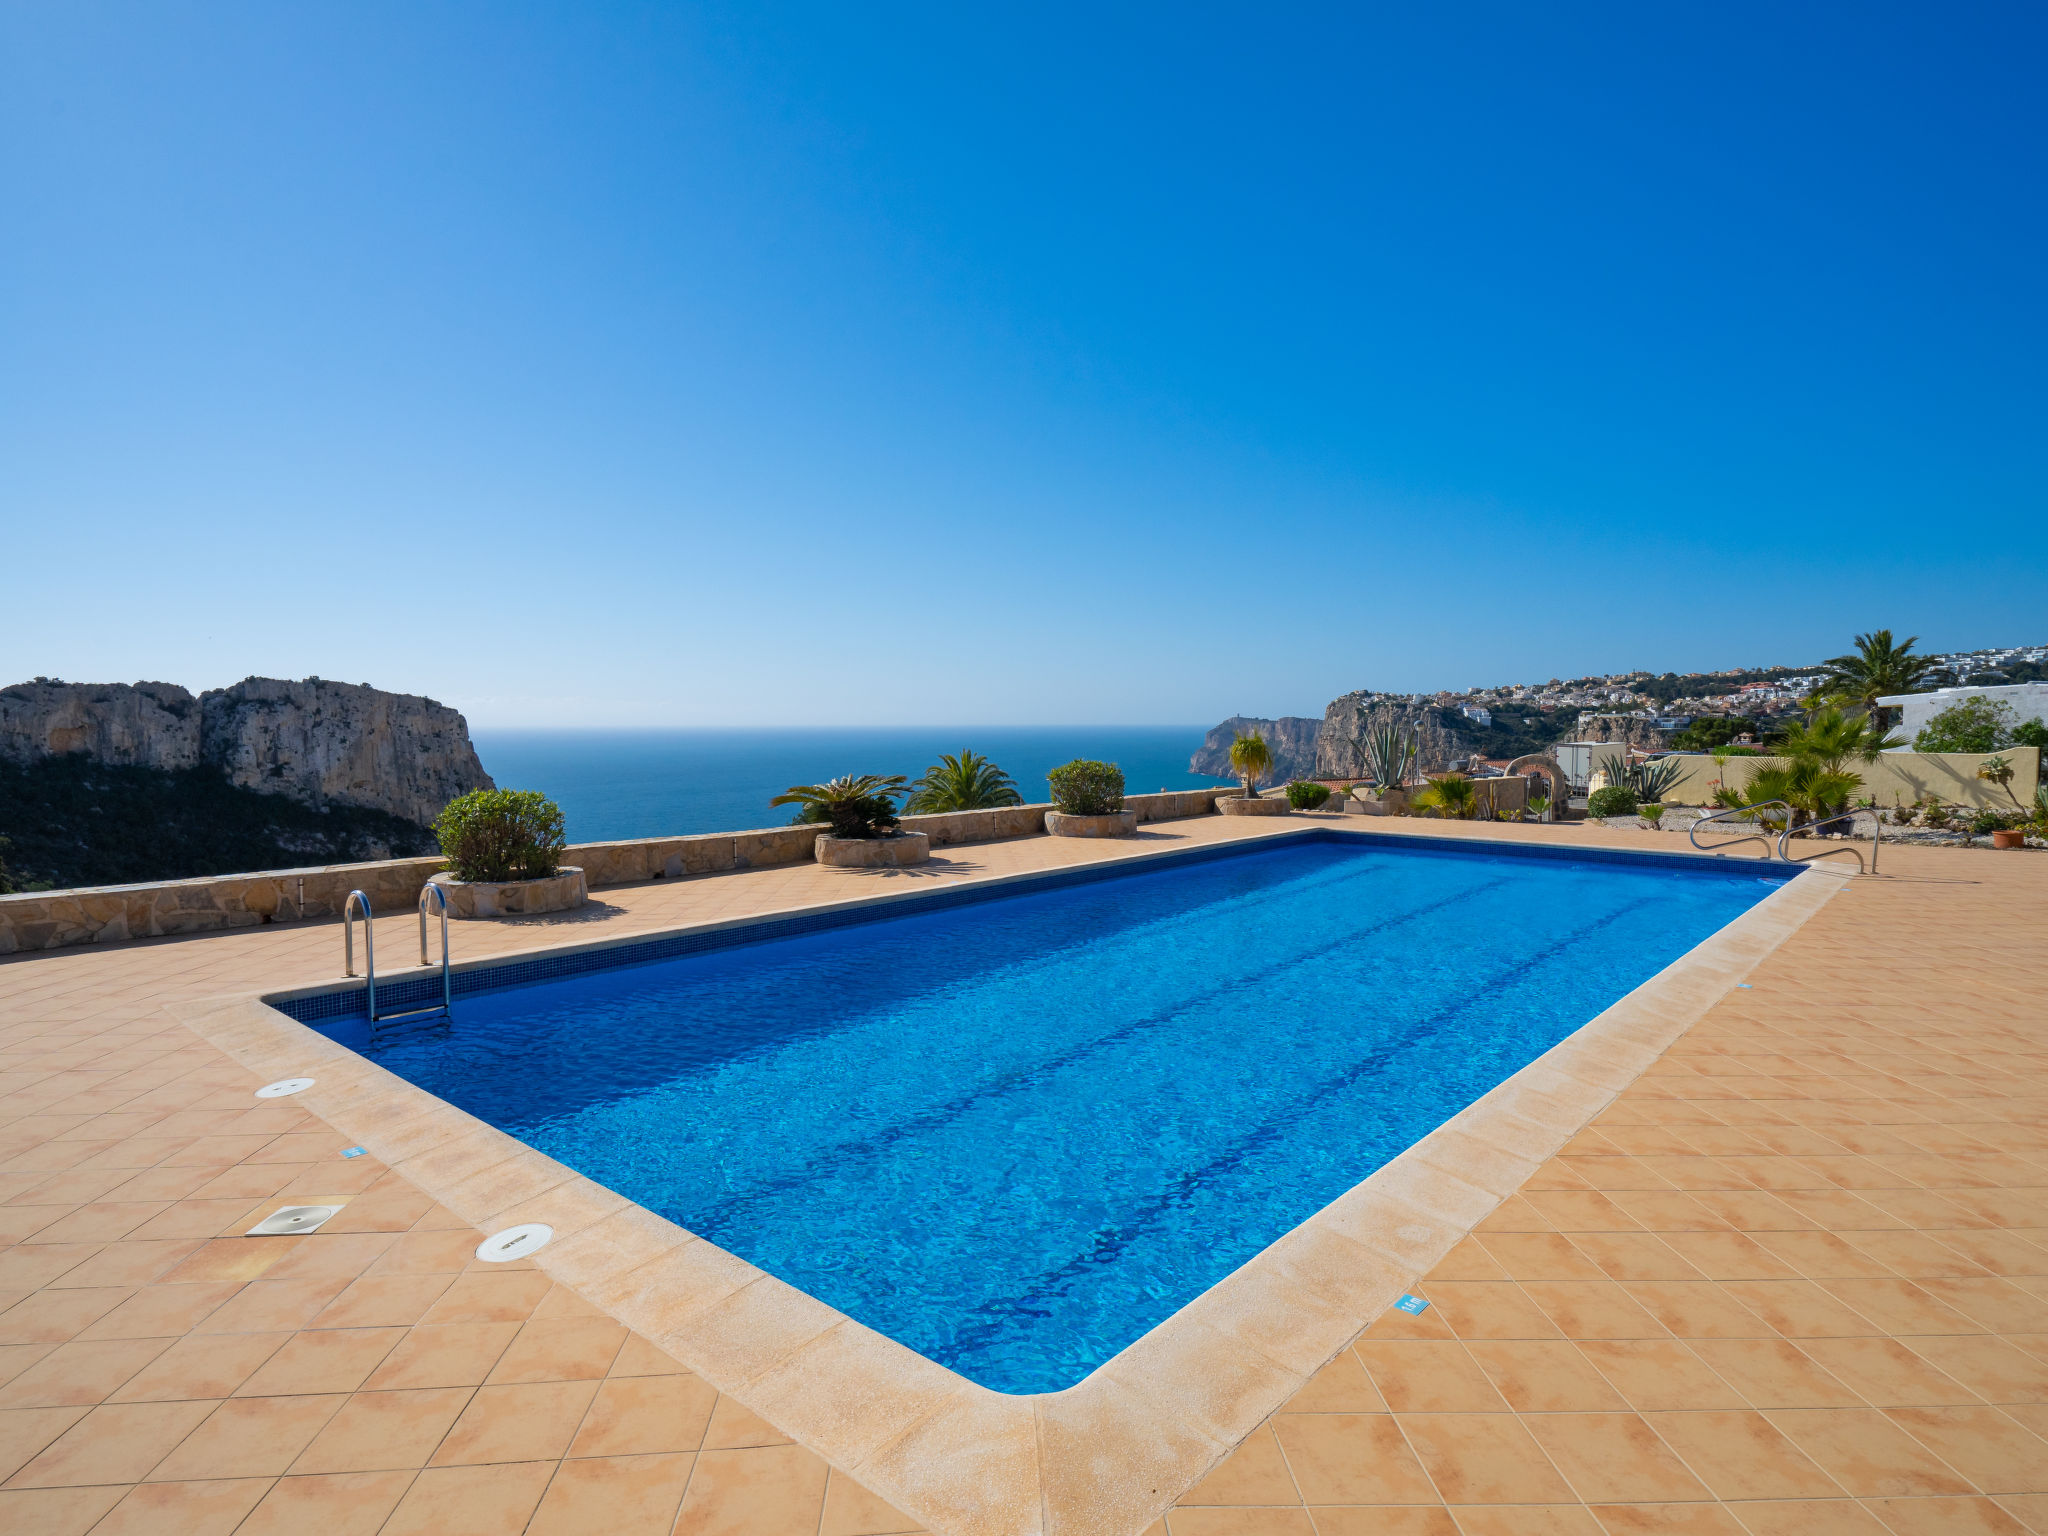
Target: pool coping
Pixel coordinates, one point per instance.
(1113, 1452)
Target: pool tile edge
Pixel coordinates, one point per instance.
(1112, 1453)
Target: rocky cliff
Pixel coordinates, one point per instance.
(1623, 730)
(147, 725)
(317, 742)
(1292, 739)
(1340, 745)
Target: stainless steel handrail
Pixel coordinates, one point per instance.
(1876, 841)
(348, 946)
(440, 899)
(1693, 833)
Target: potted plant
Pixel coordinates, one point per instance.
(1088, 801)
(1251, 759)
(860, 810)
(504, 852)
(1390, 752)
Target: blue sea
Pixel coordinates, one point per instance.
(614, 784)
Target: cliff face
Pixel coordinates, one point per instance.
(1340, 748)
(146, 725)
(1292, 739)
(343, 742)
(317, 742)
(1623, 730)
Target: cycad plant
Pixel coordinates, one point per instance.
(1251, 760)
(1389, 755)
(969, 782)
(855, 805)
(1448, 795)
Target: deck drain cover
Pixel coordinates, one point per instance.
(284, 1087)
(293, 1218)
(514, 1242)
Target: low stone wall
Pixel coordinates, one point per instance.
(1895, 778)
(106, 914)
(36, 920)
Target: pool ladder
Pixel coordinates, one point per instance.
(429, 894)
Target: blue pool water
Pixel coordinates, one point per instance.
(1017, 1135)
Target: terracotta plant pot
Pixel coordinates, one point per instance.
(2009, 837)
(872, 852)
(1114, 824)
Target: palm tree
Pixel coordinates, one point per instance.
(1834, 740)
(1818, 781)
(969, 782)
(1251, 759)
(1449, 795)
(1877, 668)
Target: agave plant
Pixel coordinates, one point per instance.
(1449, 795)
(1389, 755)
(1647, 781)
(855, 805)
(969, 782)
(1251, 760)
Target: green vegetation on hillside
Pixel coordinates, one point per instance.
(72, 821)
(1515, 732)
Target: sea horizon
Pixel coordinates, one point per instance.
(651, 781)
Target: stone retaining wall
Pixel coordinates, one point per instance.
(36, 920)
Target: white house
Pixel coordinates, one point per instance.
(2029, 701)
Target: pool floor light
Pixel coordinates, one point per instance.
(291, 1219)
(284, 1087)
(515, 1242)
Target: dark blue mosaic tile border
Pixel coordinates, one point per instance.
(422, 992)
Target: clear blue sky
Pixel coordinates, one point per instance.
(675, 365)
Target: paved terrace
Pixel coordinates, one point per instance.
(1793, 1280)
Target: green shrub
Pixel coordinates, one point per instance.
(501, 834)
(858, 806)
(1614, 800)
(1307, 795)
(1653, 814)
(1087, 788)
(1975, 725)
(2032, 734)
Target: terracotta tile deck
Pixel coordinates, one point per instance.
(1794, 1279)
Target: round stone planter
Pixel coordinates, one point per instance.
(873, 852)
(559, 892)
(1115, 824)
(1393, 803)
(1237, 805)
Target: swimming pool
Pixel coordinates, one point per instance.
(1015, 1134)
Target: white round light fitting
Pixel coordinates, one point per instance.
(284, 1087)
(515, 1242)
